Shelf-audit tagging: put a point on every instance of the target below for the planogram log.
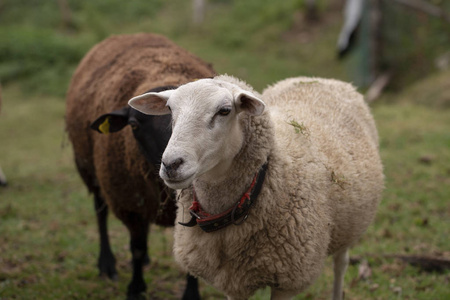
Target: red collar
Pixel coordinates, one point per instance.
(241, 209)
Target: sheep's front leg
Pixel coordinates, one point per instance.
(106, 260)
(340, 267)
(191, 292)
(138, 227)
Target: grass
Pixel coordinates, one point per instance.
(48, 235)
(37, 54)
(413, 217)
(299, 128)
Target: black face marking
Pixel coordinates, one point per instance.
(152, 135)
(135, 125)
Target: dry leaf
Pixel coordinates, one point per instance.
(364, 270)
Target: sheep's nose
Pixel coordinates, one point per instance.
(172, 166)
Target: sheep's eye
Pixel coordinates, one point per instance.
(134, 125)
(224, 111)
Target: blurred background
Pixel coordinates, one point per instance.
(396, 52)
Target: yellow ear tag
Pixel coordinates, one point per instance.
(104, 127)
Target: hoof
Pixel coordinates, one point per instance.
(140, 296)
(110, 276)
(136, 290)
(191, 292)
(107, 266)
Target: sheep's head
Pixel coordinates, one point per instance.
(151, 133)
(206, 129)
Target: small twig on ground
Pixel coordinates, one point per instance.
(425, 263)
(377, 87)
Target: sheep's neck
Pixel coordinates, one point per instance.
(217, 195)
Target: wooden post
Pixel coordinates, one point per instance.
(311, 10)
(198, 7)
(66, 14)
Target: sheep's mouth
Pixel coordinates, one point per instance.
(178, 184)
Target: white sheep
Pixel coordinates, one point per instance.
(318, 143)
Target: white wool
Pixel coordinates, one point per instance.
(323, 183)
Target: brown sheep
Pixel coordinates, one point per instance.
(120, 169)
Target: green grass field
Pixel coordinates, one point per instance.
(48, 236)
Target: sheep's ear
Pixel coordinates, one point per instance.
(111, 122)
(152, 103)
(246, 101)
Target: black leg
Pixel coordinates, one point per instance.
(138, 227)
(106, 260)
(191, 292)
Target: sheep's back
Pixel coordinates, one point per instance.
(123, 66)
(329, 135)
